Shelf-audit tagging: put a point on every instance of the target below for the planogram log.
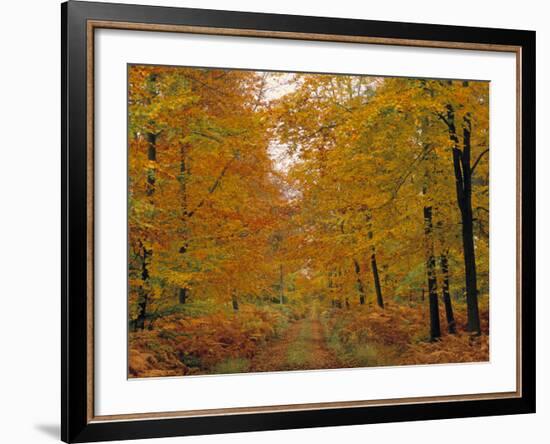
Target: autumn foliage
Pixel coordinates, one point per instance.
(182, 345)
(280, 221)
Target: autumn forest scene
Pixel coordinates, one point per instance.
(283, 221)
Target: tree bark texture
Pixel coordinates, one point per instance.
(451, 324)
(360, 286)
(463, 184)
(435, 328)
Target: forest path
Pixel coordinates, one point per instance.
(303, 347)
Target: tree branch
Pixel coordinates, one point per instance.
(213, 187)
(403, 178)
(478, 159)
(207, 136)
(442, 117)
(459, 177)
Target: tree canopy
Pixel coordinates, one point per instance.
(256, 199)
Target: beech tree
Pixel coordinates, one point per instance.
(259, 202)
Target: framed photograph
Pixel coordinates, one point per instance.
(276, 221)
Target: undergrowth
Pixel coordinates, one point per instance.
(398, 335)
(192, 341)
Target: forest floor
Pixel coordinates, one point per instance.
(275, 338)
(302, 347)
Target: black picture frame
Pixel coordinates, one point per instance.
(76, 424)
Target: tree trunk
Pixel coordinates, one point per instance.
(234, 301)
(463, 182)
(150, 190)
(445, 286)
(451, 325)
(360, 286)
(182, 295)
(376, 278)
(374, 266)
(143, 296)
(435, 328)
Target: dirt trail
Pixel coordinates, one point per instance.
(303, 347)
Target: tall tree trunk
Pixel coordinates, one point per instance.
(463, 182)
(143, 291)
(183, 292)
(147, 253)
(360, 286)
(435, 328)
(374, 266)
(451, 325)
(376, 278)
(182, 295)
